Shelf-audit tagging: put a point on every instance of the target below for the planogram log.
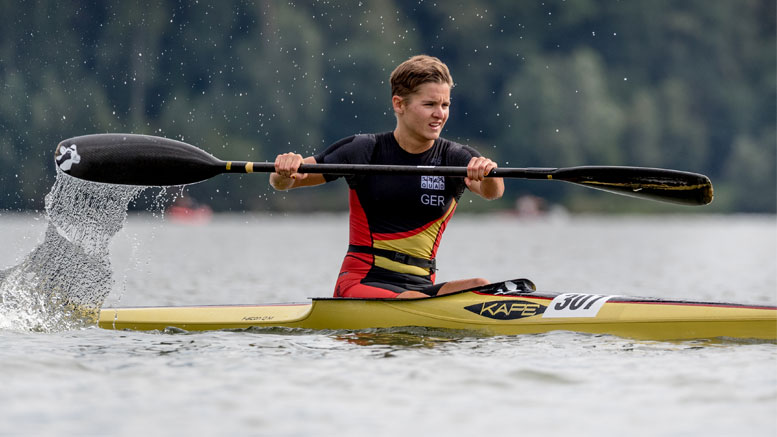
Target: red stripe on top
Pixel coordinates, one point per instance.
(359, 226)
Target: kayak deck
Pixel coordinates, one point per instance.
(523, 312)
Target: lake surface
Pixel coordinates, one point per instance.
(400, 382)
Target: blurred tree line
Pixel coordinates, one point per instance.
(679, 84)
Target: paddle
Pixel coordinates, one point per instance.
(146, 160)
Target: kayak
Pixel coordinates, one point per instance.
(504, 308)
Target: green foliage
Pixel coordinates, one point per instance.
(686, 85)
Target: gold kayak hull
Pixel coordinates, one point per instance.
(530, 313)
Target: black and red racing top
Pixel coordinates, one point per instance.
(405, 214)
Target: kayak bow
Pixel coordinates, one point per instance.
(490, 310)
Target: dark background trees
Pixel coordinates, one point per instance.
(687, 85)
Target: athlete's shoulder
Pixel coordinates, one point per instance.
(456, 153)
(352, 141)
(352, 149)
(361, 140)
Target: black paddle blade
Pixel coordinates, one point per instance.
(132, 159)
(673, 186)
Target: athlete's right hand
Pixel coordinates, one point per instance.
(287, 164)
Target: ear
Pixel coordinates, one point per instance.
(398, 103)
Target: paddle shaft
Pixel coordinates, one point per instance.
(653, 183)
(145, 160)
(362, 169)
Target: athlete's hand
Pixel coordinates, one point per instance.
(487, 188)
(287, 164)
(286, 167)
(478, 168)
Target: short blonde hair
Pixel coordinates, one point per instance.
(416, 71)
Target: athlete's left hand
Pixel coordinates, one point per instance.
(479, 167)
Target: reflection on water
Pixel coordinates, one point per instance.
(407, 337)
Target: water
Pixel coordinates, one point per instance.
(398, 382)
(64, 280)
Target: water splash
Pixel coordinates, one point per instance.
(63, 282)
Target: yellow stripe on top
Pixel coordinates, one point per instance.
(249, 167)
(229, 165)
(419, 245)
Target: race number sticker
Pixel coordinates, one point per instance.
(575, 305)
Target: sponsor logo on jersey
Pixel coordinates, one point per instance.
(507, 309)
(432, 182)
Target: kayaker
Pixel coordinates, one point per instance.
(397, 221)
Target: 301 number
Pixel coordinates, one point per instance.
(573, 302)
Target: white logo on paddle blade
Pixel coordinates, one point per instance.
(68, 156)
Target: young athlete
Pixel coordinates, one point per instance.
(397, 221)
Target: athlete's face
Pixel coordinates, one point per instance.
(423, 114)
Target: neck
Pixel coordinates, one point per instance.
(410, 143)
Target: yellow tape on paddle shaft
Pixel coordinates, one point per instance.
(249, 167)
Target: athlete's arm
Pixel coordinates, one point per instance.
(286, 176)
(478, 183)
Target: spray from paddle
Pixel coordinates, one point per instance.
(63, 282)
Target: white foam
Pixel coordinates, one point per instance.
(63, 282)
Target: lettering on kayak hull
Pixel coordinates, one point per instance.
(507, 309)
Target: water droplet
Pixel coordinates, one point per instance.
(65, 280)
